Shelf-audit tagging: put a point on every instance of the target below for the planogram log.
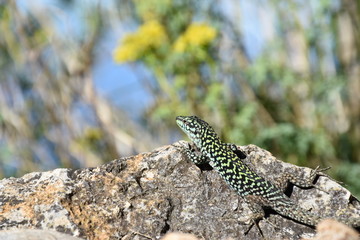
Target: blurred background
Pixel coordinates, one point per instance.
(85, 82)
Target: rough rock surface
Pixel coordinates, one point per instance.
(150, 194)
(34, 234)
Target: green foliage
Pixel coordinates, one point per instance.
(296, 142)
(349, 173)
(298, 98)
(243, 126)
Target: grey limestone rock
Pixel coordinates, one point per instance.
(150, 194)
(34, 234)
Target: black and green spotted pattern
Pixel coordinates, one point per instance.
(237, 174)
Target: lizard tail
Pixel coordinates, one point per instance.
(289, 209)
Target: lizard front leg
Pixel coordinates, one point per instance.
(236, 150)
(195, 156)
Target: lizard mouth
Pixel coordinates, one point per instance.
(185, 125)
(181, 121)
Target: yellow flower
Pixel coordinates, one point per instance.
(180, 44)
(128, 51)
(125, 54)
(200, 34)
(150, 35)
(196, 35)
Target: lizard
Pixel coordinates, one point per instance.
(257, 192)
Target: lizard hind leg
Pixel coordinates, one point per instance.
(307, 182)
(257, 212)
(255, 204)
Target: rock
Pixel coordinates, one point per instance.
(150, 194)
(179, 236)
(34, 234)
(329, 229)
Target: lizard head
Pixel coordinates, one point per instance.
(197, 129)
